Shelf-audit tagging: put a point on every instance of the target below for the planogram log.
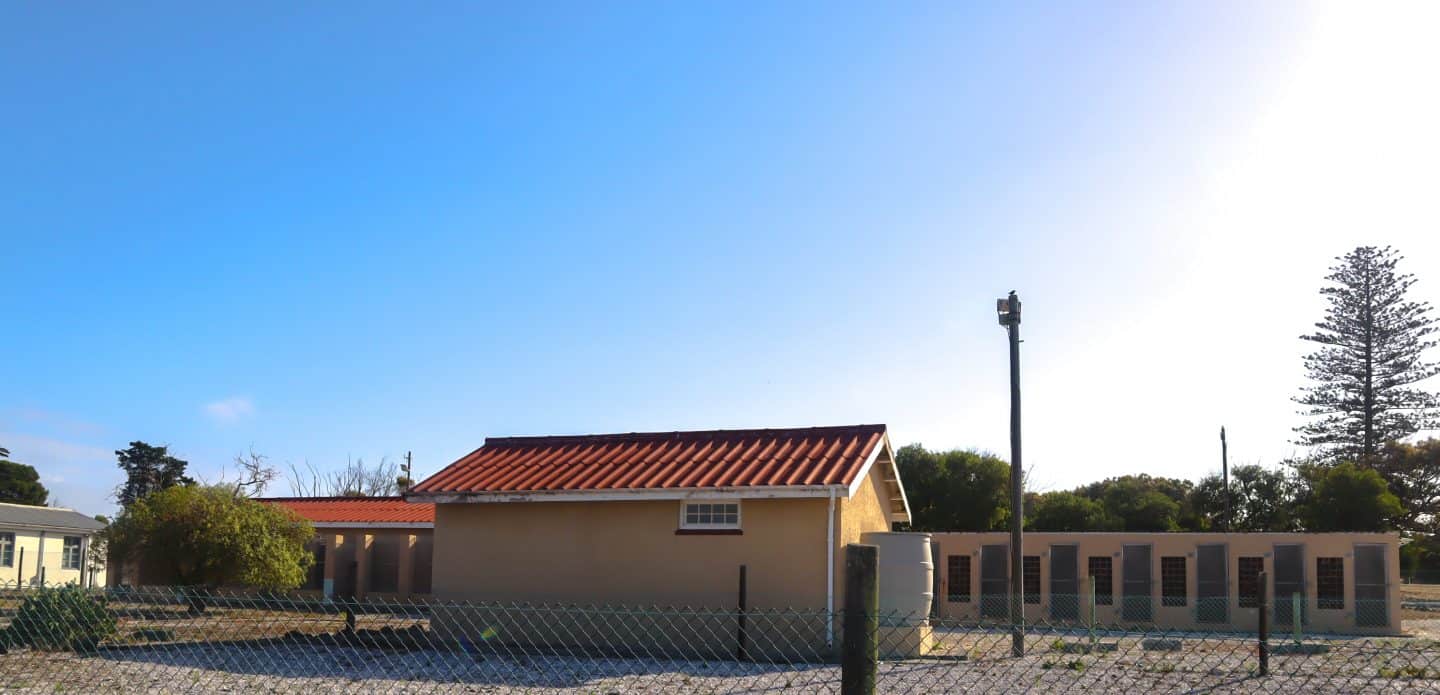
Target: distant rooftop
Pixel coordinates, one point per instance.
(58, 518)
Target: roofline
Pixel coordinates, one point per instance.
(5, 525)
(864, 472)
(373, 524)
(634, 494)
(676, 434)
(337, 498)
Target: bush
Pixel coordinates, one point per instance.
(61, 619)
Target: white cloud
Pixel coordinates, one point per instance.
(230, 409)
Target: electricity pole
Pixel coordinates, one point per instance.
(1225, 476)
(1009, 311)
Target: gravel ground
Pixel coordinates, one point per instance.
(1354, 666)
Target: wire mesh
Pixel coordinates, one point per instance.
(176, 639)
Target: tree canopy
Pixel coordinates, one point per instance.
(20, 484)
(1370, 355)
(210, 536)
(1261, 499)
(1066, 511)
(1346, 497)
(954, 490)
(148, 469)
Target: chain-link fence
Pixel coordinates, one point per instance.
(70, 639)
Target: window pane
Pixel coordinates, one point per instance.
(1101, 570)
(957, 579)
(1032, 578)
(1330, 583)
(1249, 581)
(1172, 581)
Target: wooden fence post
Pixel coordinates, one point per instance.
(859, 650)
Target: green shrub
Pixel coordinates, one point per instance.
(67, 618)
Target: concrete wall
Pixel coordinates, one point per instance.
(25, 568)
(351, 556)
(1332, 545)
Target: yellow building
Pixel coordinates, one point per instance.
(47, 546)
(662, 519)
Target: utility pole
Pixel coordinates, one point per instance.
(1009, 311)
(409, 480)
(1225, 476)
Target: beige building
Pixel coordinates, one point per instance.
(47, 546)
(367, 547)
(1347, 582)
(662, 519)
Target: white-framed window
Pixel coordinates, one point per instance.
(7, 549)
(710, 516)
(70, 553)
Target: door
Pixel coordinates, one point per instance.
(1212, 604)
(1289, 582)
(1136, 584)
(1371, 605)
(995, 581)
(1065, 582)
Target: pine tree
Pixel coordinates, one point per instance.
(148, 469)
(1371, 355)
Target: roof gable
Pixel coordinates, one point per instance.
(781, 462)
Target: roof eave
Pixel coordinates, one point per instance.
(629, 495)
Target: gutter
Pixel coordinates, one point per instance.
(830, 573)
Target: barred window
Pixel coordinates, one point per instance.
(957, 578)
(710, 515)
(1249, 579)
(1103, 571)
(1032, 578)
(7, 550)
(70, 553)
(1330, 583)
(1172, 581)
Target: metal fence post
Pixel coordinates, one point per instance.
(740, 621)
(859, 650)
(1092, 610)
(1264, 607)
(1295, 607)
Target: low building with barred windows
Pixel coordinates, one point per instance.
(1341, 582)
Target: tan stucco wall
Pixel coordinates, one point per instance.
(628, 553)
(29, 573)
(1262, 545)
(861, 514)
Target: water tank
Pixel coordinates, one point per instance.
(906, 576)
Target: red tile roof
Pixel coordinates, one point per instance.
(661, 460)
(357, 510)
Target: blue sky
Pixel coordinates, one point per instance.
(324, 234)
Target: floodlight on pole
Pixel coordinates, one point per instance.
(1008, 311)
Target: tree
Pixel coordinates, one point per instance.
(1372, 343)
(356, 479)
(20, 484)
(954, 490)
(97, 551)
(148, 469)
(1346, 497)
(1066, 511)
(1413, 473)
(254, 474)
(1144, 503)
(208, 536)
(1261, 499)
